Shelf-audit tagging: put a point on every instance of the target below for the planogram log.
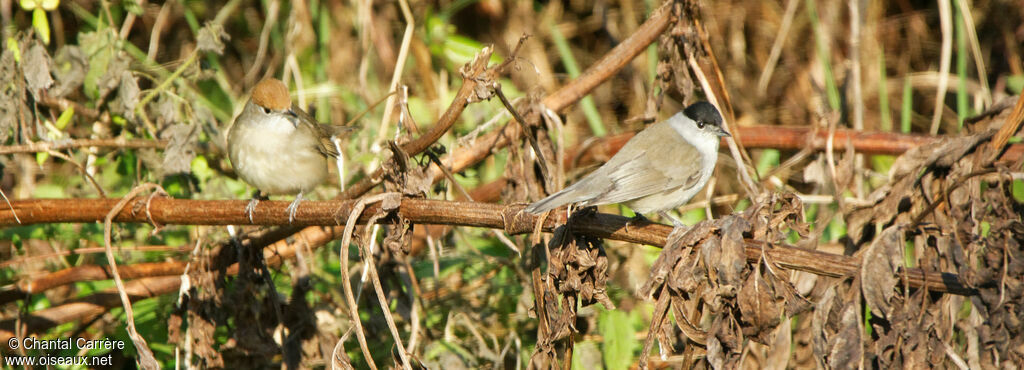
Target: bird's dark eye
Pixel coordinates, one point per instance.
(700, 124)
(266, 110)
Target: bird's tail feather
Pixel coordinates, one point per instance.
(552, 201)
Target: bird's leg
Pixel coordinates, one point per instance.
(675, 221)
(256, 197)
(294, 207)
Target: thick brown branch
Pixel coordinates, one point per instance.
(66, 276)
(612, 62)
(792, 138)
(119, 142)
(95, 304)
(426, 211)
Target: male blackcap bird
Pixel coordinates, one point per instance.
(659, 169)
(278, 148)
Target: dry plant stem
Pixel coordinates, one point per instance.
(830, 160)
(85, 173)
(426, 211)
(346, 282)
(979, 59)
(946, 25)
(129, 20)
(711, 63)
(541, 161)
(403, 54)
(660, 314)
(780, 39)
(273, 8)
(1010, 127)
(158, 27)
(64, 104)
(13, 213)
(741, 165)
(856, 21)
(381, 298)
(146, 358)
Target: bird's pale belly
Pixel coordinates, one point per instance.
(274, 167)
(664, 201)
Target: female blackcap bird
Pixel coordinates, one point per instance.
(659, 169)
(278, 148)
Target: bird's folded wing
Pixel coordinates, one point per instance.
(654, 171)
(322, 131)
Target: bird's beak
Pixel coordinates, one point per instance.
(292, 117)
(721, 132)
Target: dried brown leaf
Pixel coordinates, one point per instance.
(128, 94)
(69, 70)
(729, 260)
(11, 98)
(879, 265)
(211, 39)
(846, 350)
(759, 308)
(36, 67)
(781, 347)
(181, 148)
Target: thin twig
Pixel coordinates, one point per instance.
(741, 165)
(146, 358)
(13, 213)
(158, 27)
(346, 282)
(541, 161)
(381, 298)
(273, 8)
(780, 39)
(946, 25)
(92, 181)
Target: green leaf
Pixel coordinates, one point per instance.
(201, 169)
(65, 118)
(16, 241)
(41, 24)
(96, 46)
(132, 7)
(1018, 190)
(617, 329)
(12, 45)
(769, 159)
(1015, 83)
(41, 158)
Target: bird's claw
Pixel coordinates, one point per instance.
(294, 207)
(250, 208)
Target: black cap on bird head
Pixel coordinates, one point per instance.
(705, 114)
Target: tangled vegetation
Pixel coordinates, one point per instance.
(867, 211)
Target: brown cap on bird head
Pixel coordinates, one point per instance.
(271, 93)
